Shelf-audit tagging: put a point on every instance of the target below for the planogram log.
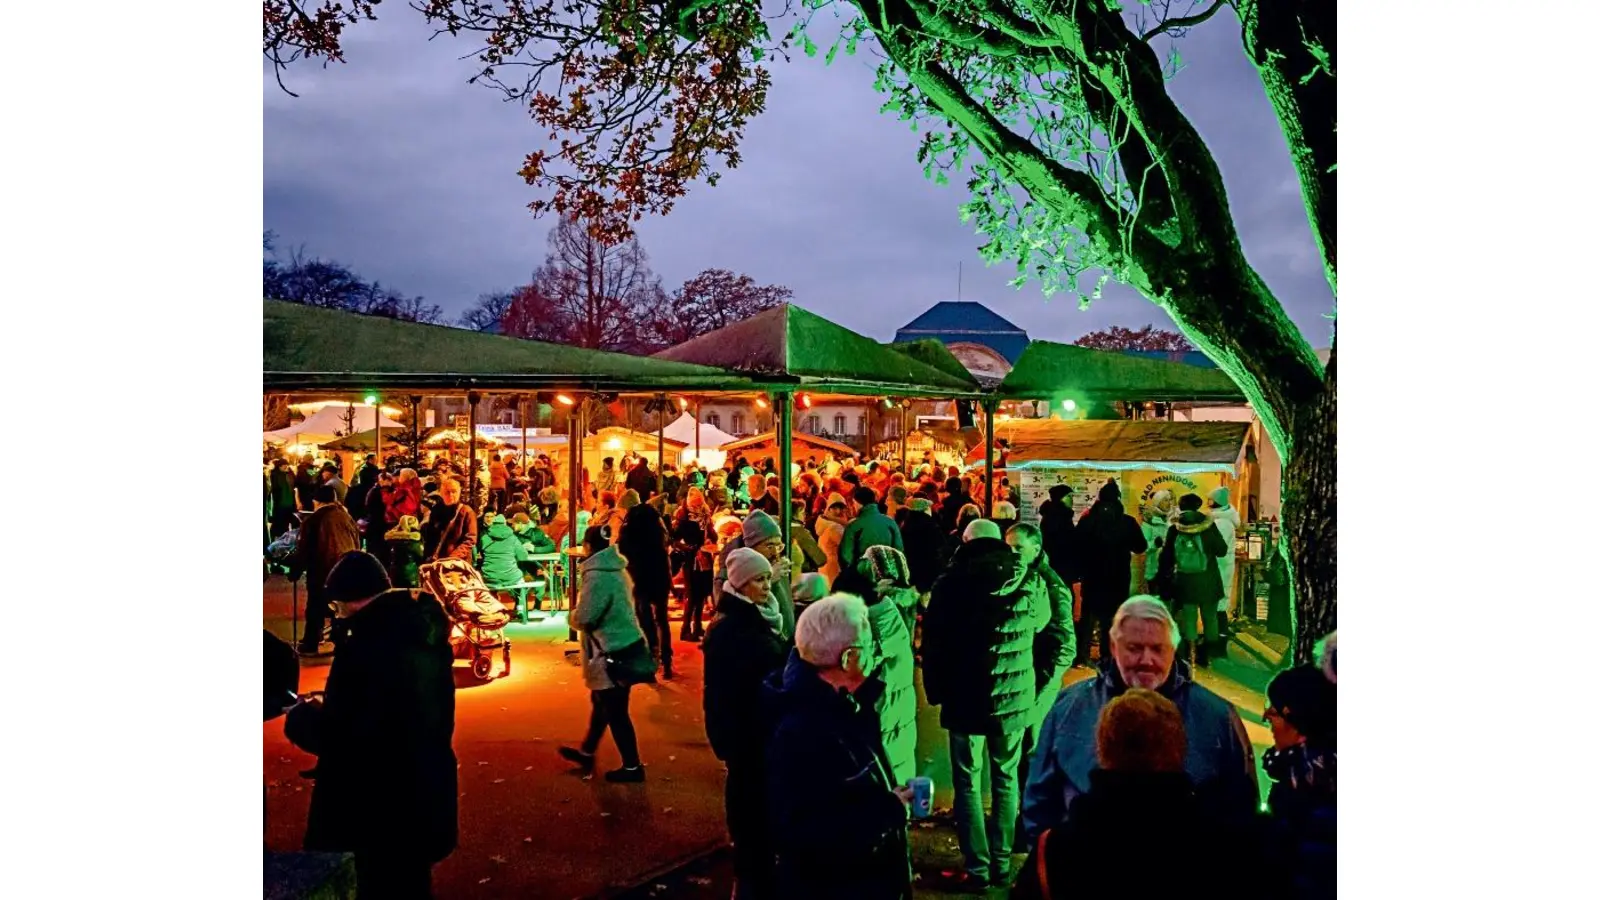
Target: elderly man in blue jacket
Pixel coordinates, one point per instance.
(1144, 640)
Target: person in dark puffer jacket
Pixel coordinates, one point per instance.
(1302, 764)
(977, 657)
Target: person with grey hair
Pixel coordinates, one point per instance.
(838, 815)
(1144, 641)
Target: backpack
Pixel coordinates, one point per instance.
(1189, 555)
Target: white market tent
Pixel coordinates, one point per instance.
(711, 440)
(326, 424)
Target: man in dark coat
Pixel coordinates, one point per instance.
(742, 648)
(1189, 578)
(328, 534)
(386, 772)
(838, 818)
(1107, 539)
(641, 479)
(870, 528)
(305, 484)
(283, 497)
(977, 664)
(643, 543)
(922, 539)
(950, 509)
(1055, 530)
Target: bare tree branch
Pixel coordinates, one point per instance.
(1183, 21)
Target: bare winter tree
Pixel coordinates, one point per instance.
(708, 301)
(587, 294)
(485, 315)
(1147, 338)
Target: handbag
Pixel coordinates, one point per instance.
(632, 664)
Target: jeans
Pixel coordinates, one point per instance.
(652, 613)
(754, 857)
(699, 592)
(1207, 615)
(609, 708)
(1086, 627)
(986, 848)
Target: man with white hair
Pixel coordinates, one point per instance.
(838, 818)
(1144, 640)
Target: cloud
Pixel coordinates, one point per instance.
(393, 164)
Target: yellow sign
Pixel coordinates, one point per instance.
(1140, 485)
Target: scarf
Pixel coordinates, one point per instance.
(768, 607)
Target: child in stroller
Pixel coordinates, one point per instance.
(477, 618)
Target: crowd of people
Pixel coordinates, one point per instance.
(810, 652)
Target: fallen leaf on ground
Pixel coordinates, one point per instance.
(497, 859)
(527, 768)
(527, 840)
(699, 880)
(483, 762)
(605, 815)
(672, 759)
(666, 809)
(483, 881)
(498, 781)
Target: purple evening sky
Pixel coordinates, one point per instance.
(395, 166)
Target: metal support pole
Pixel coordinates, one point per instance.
(785, 403)
(472, 450)
(377, 431)
(988, 458)
(697, 434)
(905, 437)
(522, 416)
(416, 433)
(577, 424)
(661, 438)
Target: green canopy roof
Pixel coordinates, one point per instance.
(790, 344)
(1048, 370)
(305, 348)
(933, 352)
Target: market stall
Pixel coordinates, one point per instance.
(706, 441)
(763, 446)
(328, 424)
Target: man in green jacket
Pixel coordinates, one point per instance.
(871, 528)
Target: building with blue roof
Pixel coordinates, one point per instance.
(982, 339)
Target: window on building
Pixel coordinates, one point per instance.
(508, 417)
(838, 424)
(738, 423)
(714, 420)
(813, 424)
(861, 424)
(891, 428)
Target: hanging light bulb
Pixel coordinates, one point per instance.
(564, 400)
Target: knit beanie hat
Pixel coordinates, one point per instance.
(888, 567)
(980, 528)
(356, 576)
(835, 499)
(758, 527)
(744, 565)
(1060, 492)
(1306, 699)
(1220, 496)
(920, 504)
(811, 586)
(1110, 491)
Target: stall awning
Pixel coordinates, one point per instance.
(1048, 371)
(307, 348)
(1184, 447)
(790, 344)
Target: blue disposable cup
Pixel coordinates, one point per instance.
(921, 797)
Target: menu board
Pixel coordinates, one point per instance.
(1035, 484)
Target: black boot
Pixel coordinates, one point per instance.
(1202, 653)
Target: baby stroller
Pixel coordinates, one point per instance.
(477, 618)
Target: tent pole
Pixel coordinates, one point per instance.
(697, 434)
(988, 457)
(377, 431)
(661, 438)
(785, 404)
(522, 416)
